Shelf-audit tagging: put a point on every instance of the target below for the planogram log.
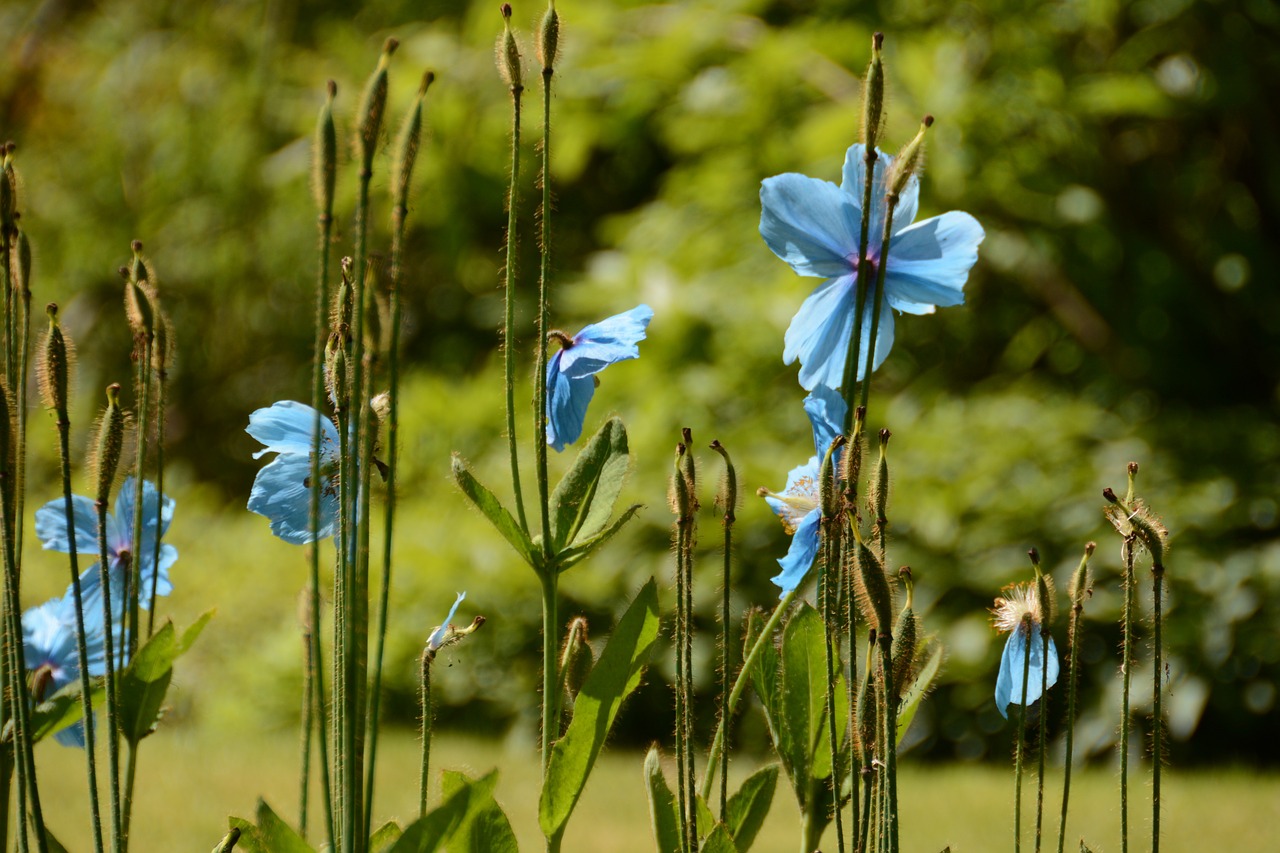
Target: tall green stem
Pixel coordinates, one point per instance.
(890, 736)
(1157, 718)
(1025, 627)
(1044, 710)
(891, 203)
(424, 776)
(864, 269)
(509, 318)
(133, 587)
(830, 551)
(550, 630)
(113, 699)
(308, 722)
(1079, 589)
(1126, 664)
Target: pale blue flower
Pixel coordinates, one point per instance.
(814, 225)
(441, 634)
(49, 649)
(282, 489)
(51, 528)
(571, 372)
(1019, 614)
(800, 504)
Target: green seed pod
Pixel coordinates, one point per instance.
(906, 633)
(875, 599)
(407, 148)
(873, 98)
(53, 369)
(138, 308)
(853, 458)
(140, 269)
(865, 733)
(508, 50)
(680, 494)
(1133, 476)
(373, 104)
(340, 311)
(1151, 531)
(109, 445)
(907, 163)
(832, 503)
(8, 195)
(163, 347)
(689, 469)
(1081, 582)
(22, 266)
(727, 496)
(879, 489)
(335, 361)
(549, 39)
(576, 658)
(324, 167)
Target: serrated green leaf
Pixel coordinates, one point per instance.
(491, 508)
(613, 678)
(385, 836)
(719, 841)
(583, 501)
(484, 825)
(749, 806)
(664, 814)
(919, 688)
(575, 554)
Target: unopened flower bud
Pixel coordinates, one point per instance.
(549, 39)
(907, 164)
(873, 99)
(872, 589)
(727, 495)
(906, 634)
(54, 367)
(373, 104)
(853, 457)
(109, 445)
(508, 50)
(576, 658)
(22, 266)
(407, 149)
(867, 710)
(879, 490)
(325, 156)
(832, 502)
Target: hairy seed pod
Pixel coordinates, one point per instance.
(906, 635)
(875, 599)
(1081, 580)
(22, 266)
(109, 445)
(879, 488)
(407, 148)
(680, 494)
(907, 163)
(1151, 531)
(549, 38)
(53, 370)
(832, 503)
(689, 469)
(373, 104)
(8, 196)
(867, 711)
(873, 98)
(508, 50)
(324, 155)
(852, 462)
(727, 496)
(576, 658)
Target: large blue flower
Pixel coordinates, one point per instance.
(1020, 615)
(571, 381)
(800, 503)
(51, 528)
(814, 225)
(282, 490)
(49, 648)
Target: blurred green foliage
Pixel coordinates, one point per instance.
(1121, 155)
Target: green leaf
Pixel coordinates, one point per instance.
(144, 683)
(60, 710)
(915, 694)
(427, 834)
(615, 675)
(385, 836)
(583, 501)
(719, 841)
(484, 826)
(497, 514)
(749, 806)
(664, 814)
(53, 844)
(270, 835)
(575, 554)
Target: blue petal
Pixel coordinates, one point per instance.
(602, 344)
(1040, 673)
(819, 333)
(280, 492)
(810, 224)
(72, 735)
(437, 636)
(804, 546)
(929, 262)
(51, 525)
(289, 427)
(567, 401)
(853, 182)
(826, 409)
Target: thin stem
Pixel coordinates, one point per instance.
(683, 794)
(862, 831)
(830, 549)
(1022, 724)
(509, 318)
(891, 202)
(130, 775)
(724, 656)
(855, 343)
(133, 588)
(1076, 609)
(687, 734)
(1044, 710)
(113, 699)
(1126, 661)
(1157, 720)
(550, 631)
(890, 736)
(544, 273)
(308, 720)
(155, 575)
(20, 459)
(425, 694)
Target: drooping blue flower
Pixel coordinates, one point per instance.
(49, 648)
(814, 225)
(51, 528)
(441, 634)
(282, 489)
(800, 504)
(1020, 615)
(571, 381)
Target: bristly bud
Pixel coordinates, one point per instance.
(689, 468)
(906, 634)
(340, 312)
(875, 599)
(1152, 532)
(727, 496)
(879, 491)
(1081, 582)
(508, 50)
(324, 155)
(335, 369)
(831, 500)
(6, 438)
(907, 163)
(139, 310)
(549, 39)
(8, 194)
(867, 710)
(109, 446)
(163, 347)
(140, 269)
(576, 658)
(681, 496)
(873, 98)
(853, 457)
(1133, 476)
(53, 370)
(407, 148)
(373, 104)
(22, 266)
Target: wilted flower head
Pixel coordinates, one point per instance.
(814, 226)
(1019, 614)
(571, 372)
(282, 490)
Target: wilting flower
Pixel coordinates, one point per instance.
(282, 490)
(571, 372)
(442, 634)
(800, 503)
(49, 648)
(1021, 616)
(814, 226)
(51, 528)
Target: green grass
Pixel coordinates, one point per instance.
(192, 778)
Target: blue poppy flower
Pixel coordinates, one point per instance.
(282, 489)
(49, 649)
(441, 635)
(814, 226)
(571, 372)
(800, 504)
(1020, 615)
(51, 528)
